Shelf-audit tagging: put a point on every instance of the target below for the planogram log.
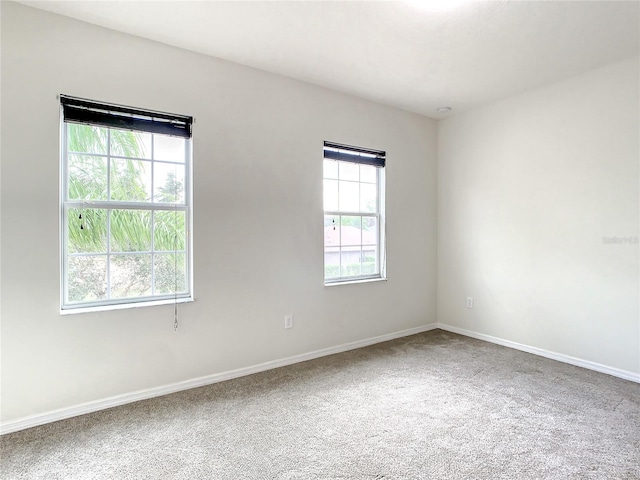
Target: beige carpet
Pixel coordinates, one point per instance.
(430, 406)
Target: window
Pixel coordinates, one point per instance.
(125, 205)
(353, 213)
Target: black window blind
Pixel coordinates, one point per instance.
(348, 153)
(90, 112)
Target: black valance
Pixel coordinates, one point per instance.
(90, 112)
(348, 153)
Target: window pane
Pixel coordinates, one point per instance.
(368, 197)
(170, 273)
(352, 241)
(331, 262)
(87, 178)
(330, 168)
(169, 231)
(369, 260)
(350, 232)
(125, 143)
(130, 275)
(330, 195)
(368, 174)
(168, 183)
(87, 278)
(349, 171)
(349, 196)
(130, 230)
(86, 230)
(87, 138)
(331, 230)
(130, 180)
(369, 231)
(171, 149)
(350, 257)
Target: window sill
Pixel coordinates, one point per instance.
(122, 306)
(356, 281)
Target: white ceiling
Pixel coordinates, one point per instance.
(417, 55)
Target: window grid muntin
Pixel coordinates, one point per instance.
(340, 213)
(137, 252)
(110, 205)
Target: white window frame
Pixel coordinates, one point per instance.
(110, 205)
(351, 155)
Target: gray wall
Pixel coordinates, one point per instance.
(533, 192)
(257, 189)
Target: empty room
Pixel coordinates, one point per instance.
(320, 240)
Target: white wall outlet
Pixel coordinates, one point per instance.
(469, 302)
(288, 321)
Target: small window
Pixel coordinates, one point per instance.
(353, 213)
(125, 205)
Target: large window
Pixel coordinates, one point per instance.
(353, 213)
(126, 205)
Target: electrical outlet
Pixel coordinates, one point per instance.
(469, 302)
(288, 321)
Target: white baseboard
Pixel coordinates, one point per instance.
(89, 407)
(616, 372)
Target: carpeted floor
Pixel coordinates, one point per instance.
(430, 406)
